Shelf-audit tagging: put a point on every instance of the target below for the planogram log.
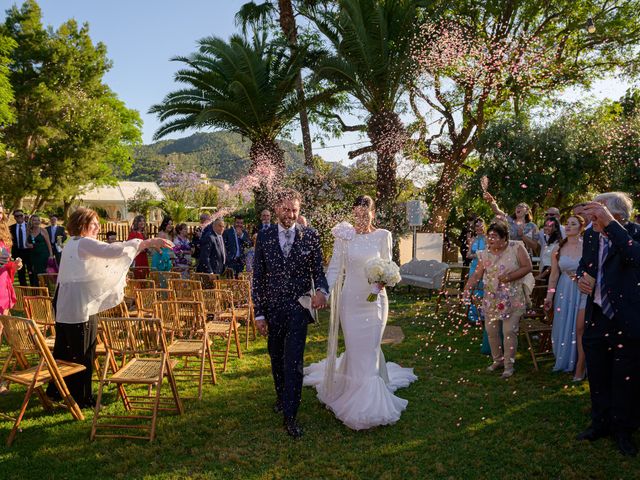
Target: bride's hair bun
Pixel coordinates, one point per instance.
(364, 201)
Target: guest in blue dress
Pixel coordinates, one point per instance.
(479, 243)
(162, 260)
(475, 314)
(565, 298)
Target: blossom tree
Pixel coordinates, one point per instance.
(476, 59)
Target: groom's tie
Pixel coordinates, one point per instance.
(288, 242)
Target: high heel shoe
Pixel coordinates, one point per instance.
(576, 379)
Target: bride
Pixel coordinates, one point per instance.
(358, 386)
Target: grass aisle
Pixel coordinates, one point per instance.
(461, 423)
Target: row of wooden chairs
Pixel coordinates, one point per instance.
(188, 325)
(191, 290)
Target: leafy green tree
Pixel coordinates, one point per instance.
(178, 211)
(70, 129)
(7, 45)
(478, 59)
(369, 59)
(142, 202)
(585, 150)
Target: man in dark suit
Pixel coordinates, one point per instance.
(265, 220)
(288, 261)
(54, 231)
(19, 248)
(213, 256)
(236, 241)
(609, 273)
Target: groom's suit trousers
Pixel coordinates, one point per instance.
(287, 336)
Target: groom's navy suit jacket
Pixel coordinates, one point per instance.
(621, 276)
(278, 282)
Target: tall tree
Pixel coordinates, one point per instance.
(70, 129)
(478, 58)
(251, 13)
(7, 45)
(246, 87)
(369, 60)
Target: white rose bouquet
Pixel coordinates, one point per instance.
(381, 273)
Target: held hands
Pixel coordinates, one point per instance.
(18, 262)
(586, 283)
(319, 301)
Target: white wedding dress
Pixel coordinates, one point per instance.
(364, 383)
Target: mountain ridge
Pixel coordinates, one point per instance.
(220, 155)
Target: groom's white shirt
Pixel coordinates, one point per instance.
(281, 233)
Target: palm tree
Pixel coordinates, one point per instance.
(242, 86)
(256, 15)
(370, 60)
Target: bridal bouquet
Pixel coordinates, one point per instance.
(381, 273)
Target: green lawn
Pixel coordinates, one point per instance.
(461, 423)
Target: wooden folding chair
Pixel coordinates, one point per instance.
(25, 339)
(243, 303)
(133, 285)
(184, 289)
(536, 322)
(146, 300)
(452, 286)
(22, 292)
(162, 278)
(206, 279)
(48, 281)
(184, 324)
(119, 311)
(40, 309)
(221, 320)
(245, 276)
(141, 345)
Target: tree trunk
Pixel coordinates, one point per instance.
(66, 206)
(443, 195)
(288, 25)
(268, 168)
(387, 135)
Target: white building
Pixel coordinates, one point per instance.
(113, 199)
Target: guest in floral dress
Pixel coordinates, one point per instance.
(505, 268)
(182, 249)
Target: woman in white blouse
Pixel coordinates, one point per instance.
(91, 280)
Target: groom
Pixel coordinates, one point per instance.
(287, 259)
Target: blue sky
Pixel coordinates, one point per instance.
(142, 35)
